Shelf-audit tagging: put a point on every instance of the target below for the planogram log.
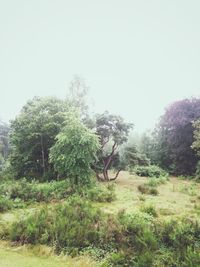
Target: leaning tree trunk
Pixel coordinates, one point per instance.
(106, 165)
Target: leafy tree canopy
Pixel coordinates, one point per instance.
(33, 133)
(4, 142)
(74, 151)
(113, 131)
(175, 136)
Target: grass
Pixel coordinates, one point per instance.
(39, 256)
(171, 201)
(176, 198)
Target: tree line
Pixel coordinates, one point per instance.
(53, 138)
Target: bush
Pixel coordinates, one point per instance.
(150, 210)
(5, 204)
(72, 226)
(118, 259)
(153, 191)
(137, 239)
(34, 191)
(4, 230)
(150, 171)
(148, 242)
(143, 188)
(102, 193)
(146, 189)
(154, 182)
(197, 173)
(138, 232)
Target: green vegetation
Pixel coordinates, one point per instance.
(40, 256)
(109, 236)
(113, 133)
(34, 191)
(149, 171)
(5, 204)
(33, 133)
(74, 151)
(64, 186)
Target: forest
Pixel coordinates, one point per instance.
(82, 189)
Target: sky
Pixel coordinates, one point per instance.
(136, 56)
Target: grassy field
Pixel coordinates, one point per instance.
(38, 256)
(175, 198)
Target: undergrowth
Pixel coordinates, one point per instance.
(137, 239)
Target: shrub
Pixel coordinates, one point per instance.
(154, 182)
(180, 234)
(124, 240)
(153, 191)
(34, 191)
(143, 188)
(118, 259)
(197, 173)
(102, 193)
(138, 232)
(4, 230)
(5, 204)
(72, 226)
(141, 198)
(191, 189)
(146, 189)
(150, 210)
(150, 171)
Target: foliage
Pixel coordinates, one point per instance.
(149, 209)
(150, 186)
(148, 146)
(149, 242)
(196, 145)
(74, 151)
(112, 131)
(137, 239)
(102, 193)
(153, 182)
(4, 144)
(20, 193)
(197, 173)
(133, 157)
(22, 190)
(175, 136)
(149, 171)
(72, 226)
(33, 134)
(5, 204)
(146, 189)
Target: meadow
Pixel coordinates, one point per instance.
(176, 198)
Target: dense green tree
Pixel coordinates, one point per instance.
(147, 145)
(134, 157)
(33, 133)
(196, 143)
(74, 151)
(4, 143)
(113, 132)
(175, 136)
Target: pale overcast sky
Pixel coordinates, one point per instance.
(136, 56)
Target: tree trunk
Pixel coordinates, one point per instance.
(116, 175)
